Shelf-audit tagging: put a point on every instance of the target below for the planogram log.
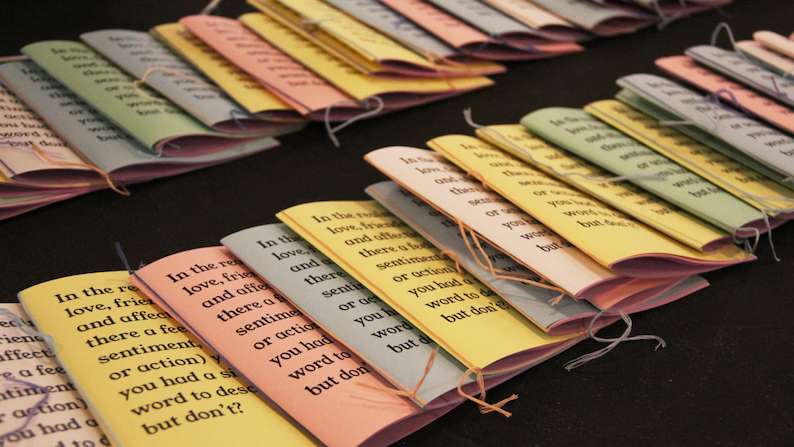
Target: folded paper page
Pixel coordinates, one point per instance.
(241, 86)
(157, 123)
(352, 314)
(490, 216)
(395, 93)
(544, 23)
(752, 187)
(600, 19)
(316, 380)
(584, 221)
(107, 146)
(388, 21)
(579, 132)
(41, 405)
(731, 93)
(142, 56)
(148, 381)
(762, 148)
(299, 87)
(588, 177)
(455, 310)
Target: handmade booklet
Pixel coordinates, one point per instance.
(729, 93)
(468, 40)
(353, 315)
(296, 85)
(736, 135)
(579, 132)
(753, 187)
(97, 140)
(583, 221)
(145, 377)
(544, 304)
(492, 217)
(392, 93)
(242, 87)
(157, 123)
(143, 57)
(464, 317)
(588, 177)
(41, 404)
(307, 373)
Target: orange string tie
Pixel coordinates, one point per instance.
(485, 407)
(44, 156)
(454, 257)
(415, 391)
(526, 278)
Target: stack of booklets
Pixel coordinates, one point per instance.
(480, 259)
(128, 106)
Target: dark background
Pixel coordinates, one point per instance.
(725, 377)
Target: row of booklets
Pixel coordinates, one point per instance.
(354, 323)
(123, 106)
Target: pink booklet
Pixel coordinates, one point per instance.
(299, 87)
(315, 379)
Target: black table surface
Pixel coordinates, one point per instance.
(724, 378)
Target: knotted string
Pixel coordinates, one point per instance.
(525, 278)
(122, 189)
(413, 393)
(333, 130)
(454, 257)
(577, 362)
(668, 19)
(485, 407)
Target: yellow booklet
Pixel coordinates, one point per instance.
(586, 176)
(241, 86)
(407, 272)
(751, 186)
(587, 223)
(394, 92)
(148, 380)
(368, 50)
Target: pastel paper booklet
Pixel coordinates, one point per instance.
(733, 65)
(143, 57)
(544, 23)
(389, 22)
(100, 141)
(467, 39)
(242, 87)
(156, 122)
(767, 58)
(41, 405)
(500, 26)
(147, 380)
(741, 181)
(299, 87)
(26, 144)
(364, 48)
(601, 20)
(579, 132)
(730, 93)
(394, 93)
(312, 377)
(589, 178)
(776, 42)
(352, 314)
(455, 310)
(545, 307)
(587, 223)
(742, 138)
(486, 215)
